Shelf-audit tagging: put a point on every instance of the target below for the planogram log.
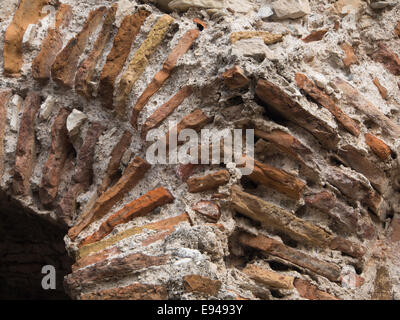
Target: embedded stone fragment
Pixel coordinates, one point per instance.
(59, 150)
(64, 67)
(308, 291)
(234, 78)
(200, 284)
(51, 45)
(294, 256)
(168, 224)
(208, 182)
(161, 76)
(290, 109)
(183, 5)
(269, 278)
(277, 179)
(254, 48)
(135, 171)
(87, 67)
(327, 102)
(383, 289)
(137, 208)
(123, 40)
(25, 152)
(348, 247)
(268, 37)
(353, 97)
(161, 113)
(47, 107)
(382, 90)
(83, 175)
(356, 160)
(109, 270)
(74, 121)
(208, 209)
(28, 12)
(140, 61)
(136, 291)
(315, 36)
(380, 148)
(5, 96)
(388, 58)
(291, 9)
(349, 56)
(345, 7)
(272, 216)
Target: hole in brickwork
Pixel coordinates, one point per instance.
(247, 183)
(271, 113)
(27, 244)
(277, 294)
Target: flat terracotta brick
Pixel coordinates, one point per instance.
(350, 57)
(308, 291)
(208, 209)
(234, 78)
(137, 208)
(109, 270)
(380, 148)
(65, 65)
(25, 151)
(382, 90)
(161, 76)
(161, 113)
(59, 150)
(123, 40)
(5, 96)
(200, 284)
(95, 258)
(281, 102)
(83, 175)
(327, 102)
(135, 171)
(349, 247)
(315, 36)
(388, 58)
(277, 179)
(51, 45)
(275, 248)
(28, 12)
(168, 224)
(269, 278)
(136, 291)
(87, 67)
(278, 218)
(208, 182)
(351, 96)
(139, 62)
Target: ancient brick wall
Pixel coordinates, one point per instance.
(83, 82)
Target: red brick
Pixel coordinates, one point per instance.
(197, 283)
(234, 78)
(349, 56)
(388, 58)
(208, 182)
(315, 35)
(311, 292)
(380, 148)
(382, 90)
(208, 209)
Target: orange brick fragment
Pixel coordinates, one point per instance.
(208, 209)
(95, 258)
(137, 208)
(200, 23)
(270, 278)
(196, 283)
(388, 58)
(327, 102)
(234, 78)
(315, 36)
(208, 182)
(349, 56)
(380, 148)
(397, 29)
(308, 291)
(382, 90)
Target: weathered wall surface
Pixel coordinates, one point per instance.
(317, 80)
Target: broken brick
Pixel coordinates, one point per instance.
(123, 40)
(280, 219)
(95, 258)
(184, 171)
(5, 96)
(327, 102)
(269, 278)
(315, 36)
(395, 233)
(139, 62)
(380, 148)
(208, 182)
(87, 67)
(59, 150)
(136, 208)
(397, 29)
(161, 113)
(161, 76)
(25, 151)
(197, 283)
(28, 12)
(64, 67)
(200, 23)
(131, 176)
(308, 291)
(268, 37)
(286, 106)
(348, 247)
(349, 56)
(294, 256)
(382, 90)
(234, 78)
(208, 209)
(51, 45)
(388, 58)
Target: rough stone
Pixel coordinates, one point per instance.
(291, 9)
